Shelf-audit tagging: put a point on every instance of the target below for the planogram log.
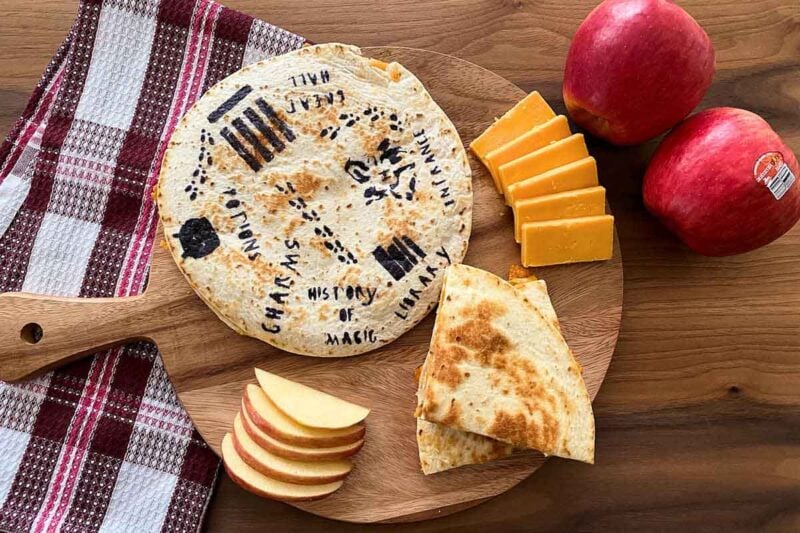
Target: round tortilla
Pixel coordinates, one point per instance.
(313, 200)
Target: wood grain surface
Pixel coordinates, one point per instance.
(697, 421)
(210, 364)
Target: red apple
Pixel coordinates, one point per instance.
(636, 68)
(723, 181)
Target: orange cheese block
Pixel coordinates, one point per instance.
(529, 112)
(569, 204)
(577, 175)
(551, 156)
(569, 240)
(540, 136)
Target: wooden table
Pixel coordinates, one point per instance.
(698, 422)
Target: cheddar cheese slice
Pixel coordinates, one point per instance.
(576, 175)
(540, 136)
(569, 204)
(569, 240)
(527, 113)
(551, 156)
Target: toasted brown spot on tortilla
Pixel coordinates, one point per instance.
(487, 310)
(485, 343)
(400, 226)
(290, 228)
(272, 202)
(451, 418)
(445, 364)
(430, 405)
(319, 245)
(305, 183)
(516, 429)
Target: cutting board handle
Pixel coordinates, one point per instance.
(38, 333)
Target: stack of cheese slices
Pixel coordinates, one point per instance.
(291, 442)
(550, 181)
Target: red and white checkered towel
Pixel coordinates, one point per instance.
(103, 444)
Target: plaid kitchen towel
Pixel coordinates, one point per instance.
(103, 444)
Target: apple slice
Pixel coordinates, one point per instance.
(254, 481)
(291, 471)
(272, 421)
(308, 406)
(298, 453)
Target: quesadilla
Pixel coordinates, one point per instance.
(314, 200)
(442, 448)
(500, 368)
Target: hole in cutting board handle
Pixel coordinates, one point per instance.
(31, 333)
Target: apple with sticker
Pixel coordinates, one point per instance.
(724, 182)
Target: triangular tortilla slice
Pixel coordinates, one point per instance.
(442, 448)
(500, 368)
(535, 290)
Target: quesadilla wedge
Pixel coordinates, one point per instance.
(500, 368)
(442, 448)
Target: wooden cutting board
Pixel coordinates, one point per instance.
(210, 364)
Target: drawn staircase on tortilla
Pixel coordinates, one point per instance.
(258, 153)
